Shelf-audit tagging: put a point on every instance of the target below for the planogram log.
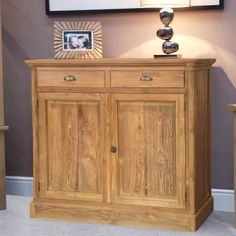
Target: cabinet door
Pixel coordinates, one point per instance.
(149, 165)
(71, 139)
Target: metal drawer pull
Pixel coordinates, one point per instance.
(69, 78)
(146, 78)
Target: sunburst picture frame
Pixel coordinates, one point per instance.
(77, 40)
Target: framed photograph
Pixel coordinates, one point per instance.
(55, 7)
(74, 40)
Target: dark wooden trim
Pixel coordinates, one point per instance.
(49, 12)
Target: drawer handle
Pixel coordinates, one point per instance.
(69, 78)
(146, 78)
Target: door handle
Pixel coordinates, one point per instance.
(113, 149)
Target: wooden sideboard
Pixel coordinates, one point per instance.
(122, 141)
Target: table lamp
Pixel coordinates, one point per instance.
(166, 16)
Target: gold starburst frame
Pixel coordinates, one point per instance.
(75, 40)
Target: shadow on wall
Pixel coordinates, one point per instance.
(189, 47)
(223, 93)
(17, 107)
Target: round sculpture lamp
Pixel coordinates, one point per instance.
(166, 15)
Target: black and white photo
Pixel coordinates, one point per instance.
(77, 40)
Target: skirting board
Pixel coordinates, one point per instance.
(223, 200)
(23, 186)
(18, 185)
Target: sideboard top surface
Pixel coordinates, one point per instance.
(122, 62)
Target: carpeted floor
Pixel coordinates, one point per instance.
(15, 221)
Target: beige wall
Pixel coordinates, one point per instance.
(28, 33)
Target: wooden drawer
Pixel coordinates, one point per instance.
(140, 78)
(77, 78)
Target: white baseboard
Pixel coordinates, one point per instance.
(23, 186)
(223, 200)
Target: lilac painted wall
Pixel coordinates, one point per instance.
(28, 34)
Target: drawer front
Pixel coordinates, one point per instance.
(71, 78)
(162, 79)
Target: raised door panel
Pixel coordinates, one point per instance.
(70, 146)
(149, 166)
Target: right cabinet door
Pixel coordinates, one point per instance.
(148, 131)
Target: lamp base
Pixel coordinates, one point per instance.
(167, 56)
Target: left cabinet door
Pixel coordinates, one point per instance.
(71, 140)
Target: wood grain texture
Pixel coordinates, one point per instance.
(130, 78)
(173, 64)
(199, 131)
(82, 78)
(149, 90)
(2, 142)
(121, 215)
(35, 132)
(149, 166)
(202, 142)
(160, 174)
(73, 146)
(190, 138)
